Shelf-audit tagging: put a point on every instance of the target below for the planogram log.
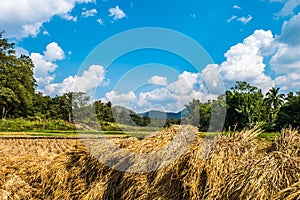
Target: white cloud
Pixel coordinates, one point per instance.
(46, 33)
(237, 7)
(32, 29)
(286, 60)
(120, 99)
(289, 82)
(245, 20)
(171, 97)
(291, 31)
(156, 96)
(185, 83)
(44, 64)
(23, 18)
(87, 82)
(288, 8)
(21, 51)
(287, 57)
(53, 52)
(116, 13)
(43, 69)
(69, 17)
(100, 21)
(44, 73)
(244, 61)
(212, 78)
(233, 17)
(89, 13)
(158, 80)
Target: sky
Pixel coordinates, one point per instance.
(159, 55)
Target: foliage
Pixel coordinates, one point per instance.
(273, 101)
(16, 81)
(20, 124)
(245, 100)
(289, 113)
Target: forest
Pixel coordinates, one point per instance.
(245, 105)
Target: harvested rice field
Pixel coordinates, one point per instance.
(226, 167)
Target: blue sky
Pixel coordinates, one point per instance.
(255, 41)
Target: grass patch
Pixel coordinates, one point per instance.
(268, 136)
(21, 124)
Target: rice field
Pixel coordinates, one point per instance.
(225, 167)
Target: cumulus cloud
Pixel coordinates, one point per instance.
(169, 97)
(185, 83)
(87, 82)
(43, 69)
(212, 79)
(287, 57)
(291, 31)
(89, 13)
(117, 99)
(116, 13)
(244, 61)
(288, 8)
(286, 61)
(45, 64)
(23, 18)
(53, 52)
(158, 80)
(289, 82)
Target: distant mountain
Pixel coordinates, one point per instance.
(154, 114)
(120, 109)
(122, 113)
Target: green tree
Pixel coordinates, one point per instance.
(289, 113)
(273, 101)
(41, 106)
(7, 99)
(104, 111)
(193, 113)
(245, 104)
(16, 81)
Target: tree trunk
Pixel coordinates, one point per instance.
(3, 112)
(70, 117)
(249, 120)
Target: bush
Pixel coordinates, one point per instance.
(21, 124)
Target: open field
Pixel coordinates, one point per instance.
(235, 166)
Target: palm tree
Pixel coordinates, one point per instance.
(289, 96)
(274, 100)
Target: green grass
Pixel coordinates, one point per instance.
(61, 128)
(268, 136)
(21, 124)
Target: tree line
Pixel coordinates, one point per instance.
(245, 105)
